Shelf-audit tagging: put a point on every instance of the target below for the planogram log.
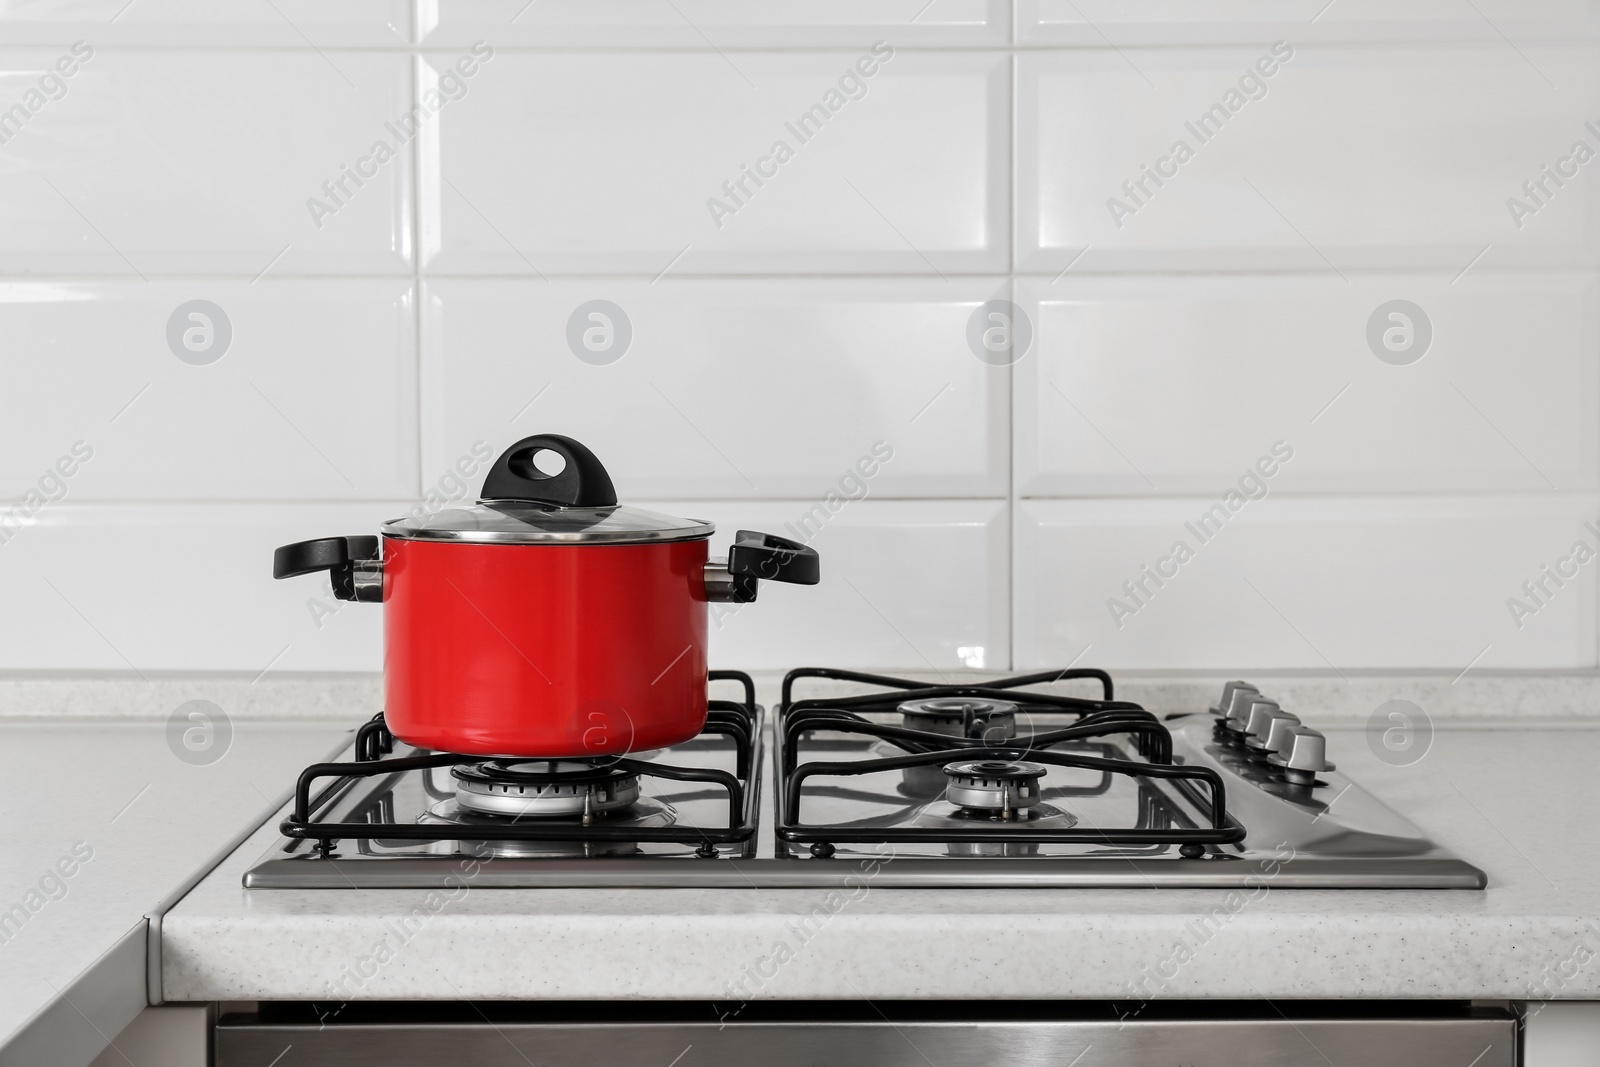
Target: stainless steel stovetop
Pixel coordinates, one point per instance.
(1001, 785)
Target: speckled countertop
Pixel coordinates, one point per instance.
(1518, 801)
(98, 822)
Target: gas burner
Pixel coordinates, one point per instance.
(543, 788)
(450, 812)
(994, 785)
(991, 720)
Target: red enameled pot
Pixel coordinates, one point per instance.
(546, 619)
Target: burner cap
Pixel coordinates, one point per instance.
(994, 784)
(991, 720)
(543, 787)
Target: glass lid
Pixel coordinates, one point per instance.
(525, 522)
(526, 502)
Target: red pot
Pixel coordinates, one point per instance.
(546, 620)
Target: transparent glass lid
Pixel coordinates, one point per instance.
(523, 522)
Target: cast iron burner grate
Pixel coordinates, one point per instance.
(1157, 823)
(741, 723)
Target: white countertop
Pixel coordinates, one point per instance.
(99, 822)
(1517, 802)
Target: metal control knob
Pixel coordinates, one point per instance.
(1308, 756)
(1260, 742)
(1228, 688)
(1238, 709)
(1280, 734)
(1259, 718)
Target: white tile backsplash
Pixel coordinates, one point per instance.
(636, 164)
(906, 584)
(1327, 585)
(404, 208)
(1153, 22)
(722, 23)
(311, 394)
(724, 388)
(144, 588)
(1174, 384)
(1379, 158)
(254, 23)
(168, 161)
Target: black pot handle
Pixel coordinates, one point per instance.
(777, 559)
(339, 556)
(582, 483)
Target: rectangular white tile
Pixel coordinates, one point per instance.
(906, 584)
(723, 388)
(1342, 158)
(636, 163)
(256, 23)
(180, 587)
(1177, 384)
(1301, 583)
(309, 393)
(190, 161)
(1154, 22)
(720, 23)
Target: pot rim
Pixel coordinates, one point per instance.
(527, 523)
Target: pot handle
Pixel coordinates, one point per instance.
(754, 556)
(582, 483)
(352, 564)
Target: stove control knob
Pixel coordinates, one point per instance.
(1262, 712)
(1228, 688)
(1238, 709)
(1280, 734)
(1308, 757)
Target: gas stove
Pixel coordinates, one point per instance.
(1003, 784)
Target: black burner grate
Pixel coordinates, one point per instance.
(799, 720)
(742, 723)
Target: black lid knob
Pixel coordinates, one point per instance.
(582, 483)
